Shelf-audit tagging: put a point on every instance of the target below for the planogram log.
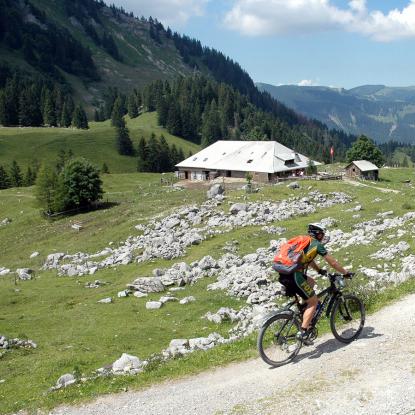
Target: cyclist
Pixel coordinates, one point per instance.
(299, 283)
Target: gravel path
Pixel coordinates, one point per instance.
(373, 375)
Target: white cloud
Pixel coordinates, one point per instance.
(307, 82)
(169, 12)
(268, 17)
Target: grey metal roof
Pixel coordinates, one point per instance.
(252, 156)
(364, 165)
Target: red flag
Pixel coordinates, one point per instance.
(331, 151)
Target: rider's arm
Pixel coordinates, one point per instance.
(333, 263)
(314, 266)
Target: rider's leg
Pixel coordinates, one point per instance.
(309, 312)
(305, 290)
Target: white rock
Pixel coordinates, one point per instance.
(65, 380)
(127, 364)
(107, 300)
(153, 305)
(139, 294)
(124, 293)
(34, 254)
(187, 300)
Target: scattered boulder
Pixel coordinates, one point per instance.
(238, 207)
(127, 364)
(16, 343)
(124, 293)
(139, 294)
(187, 300)
(5, 222)
(25, 274)
(107, 300)
(147, 285)
(153, 305)
(293, 185)
(4, 271)
(34, 254)
(65, 380)
(215, 190)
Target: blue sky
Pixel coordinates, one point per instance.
(309, 42)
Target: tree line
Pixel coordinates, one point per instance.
(42, 44)
(203, 111)
(32, 101)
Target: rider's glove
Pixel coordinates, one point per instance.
(322, 271)
(348, 275)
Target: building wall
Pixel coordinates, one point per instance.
(353, 171)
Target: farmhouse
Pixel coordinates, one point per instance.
(362, 169)
(265, 160)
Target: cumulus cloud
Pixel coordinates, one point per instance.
(268, 17)
(169, 12)
(307, 82)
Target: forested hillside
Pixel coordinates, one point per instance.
(57, 54)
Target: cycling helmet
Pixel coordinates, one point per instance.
(316, 230)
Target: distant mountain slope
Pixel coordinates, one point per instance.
(383, 113)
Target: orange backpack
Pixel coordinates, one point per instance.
(288, 258)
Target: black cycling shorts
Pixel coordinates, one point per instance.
(296, 283)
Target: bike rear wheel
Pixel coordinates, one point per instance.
(277, 340)
(347, 318)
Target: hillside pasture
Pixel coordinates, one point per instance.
(75, 334)
(25, 145)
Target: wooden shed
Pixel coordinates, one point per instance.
(362, 169)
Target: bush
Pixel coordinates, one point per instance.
(78, 185)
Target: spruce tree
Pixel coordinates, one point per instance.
(16, 178)
(165, 155)
(174, 155)
(66, 116)
(117, 113)
(124, 144)
(153, 154)
(132, 106)
(30, 177)
(211, 125)
(105, 169)
(49, 117)
(142, 156)
(4, 179)
(79, 119)
(181, 155)
(46, 183)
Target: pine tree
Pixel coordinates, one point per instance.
(174, 121)
(181, 155)
(79, 119)
(132, 106)
(165, 155)
(211, 125)
(49, 117)
(4, 179)
(66, 116)
(153, 158)
(105, 169)
(16, 178)
(30, 177)
(29, 111)
(124, 144)
(174, 155)
(142, 156)
(117, 113)
(45, 191)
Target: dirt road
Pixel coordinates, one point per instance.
(373, 375)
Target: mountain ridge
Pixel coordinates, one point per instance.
(383, 113)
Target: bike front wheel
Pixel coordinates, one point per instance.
(277, 340)
(347, 318)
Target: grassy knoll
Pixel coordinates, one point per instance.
(96, 144)
(75, 334)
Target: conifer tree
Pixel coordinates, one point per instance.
(49, 117)
(181, 155)
(16, 178)
(211, 125)
(45, 191)
(174, 122)
(29, 111)
(117, 113)
(4, 179)
(132, 106)
(30, 177)
(124, 144)
(153, 158)
(105, 169)
(79, 119)
(165, 155)
(142, 156)
(66, 116)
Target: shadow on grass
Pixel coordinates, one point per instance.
(332, 345)
(80, 210)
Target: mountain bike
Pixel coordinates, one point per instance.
(278, 342)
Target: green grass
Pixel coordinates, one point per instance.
(96, 144)
(75, 333)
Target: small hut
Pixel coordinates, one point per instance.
(362, 169)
